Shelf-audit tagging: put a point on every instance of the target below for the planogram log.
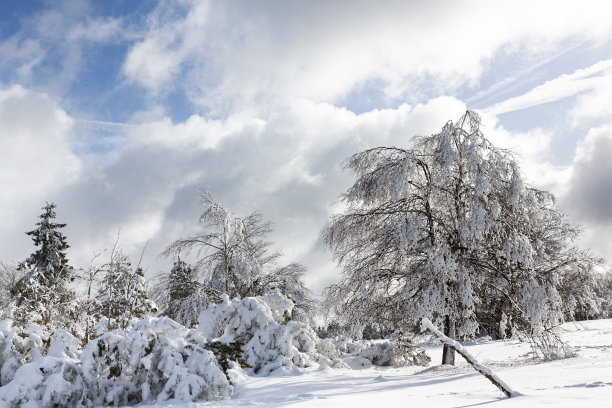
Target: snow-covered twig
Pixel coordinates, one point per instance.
(486, 371)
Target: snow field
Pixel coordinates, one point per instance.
(581, 381)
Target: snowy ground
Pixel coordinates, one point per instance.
(585, 380)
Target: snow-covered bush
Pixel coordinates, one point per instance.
(45, 382)
(400, 352)
(54, 380)
(19, 347)
(305, 339)
(270, 340)
(10, 358)
(303, 336)
(346, 345)
(157, 359)
(327, 348)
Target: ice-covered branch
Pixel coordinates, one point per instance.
(486, 371)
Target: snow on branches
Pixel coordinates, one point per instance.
(271, 341)
(234, 258)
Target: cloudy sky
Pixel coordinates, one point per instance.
(120, 111)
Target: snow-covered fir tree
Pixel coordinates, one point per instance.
(235, 258)
(425, 230)
(49, 263)
(41, 294)
(180, 296)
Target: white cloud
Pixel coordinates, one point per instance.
(36, 160)
(228, 55)
(97, 30)
(48, 51)
(589, 194)
(533, 149)
(591, 78)
(25, 53)
(196, 132)
(595, 105)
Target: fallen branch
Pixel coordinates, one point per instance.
(486, 371)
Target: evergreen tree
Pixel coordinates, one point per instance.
(49, 262)
(41, 294)
(182, 279)
(180, 296)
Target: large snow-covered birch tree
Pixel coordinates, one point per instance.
(424, 229)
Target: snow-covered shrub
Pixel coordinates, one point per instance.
(10, 358)
(45, 382)
(157, 359)
(227, 354)
(20, 347)
(550, 345)
(54, 380)
(303, 336)
(271, 342)
(305, 339)
(346, 345)
(400, 352)
(327, 348)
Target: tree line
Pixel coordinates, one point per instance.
(233, 257)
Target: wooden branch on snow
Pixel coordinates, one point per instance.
(486, 371)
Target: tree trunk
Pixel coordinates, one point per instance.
(448, 353)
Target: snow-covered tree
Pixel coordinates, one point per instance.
(49, 263)
(88, 304)
(235, 258)
(424, 228)
(9, 275)
(123, 296)
(41, 294)
(180, 296)
(603, 290)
